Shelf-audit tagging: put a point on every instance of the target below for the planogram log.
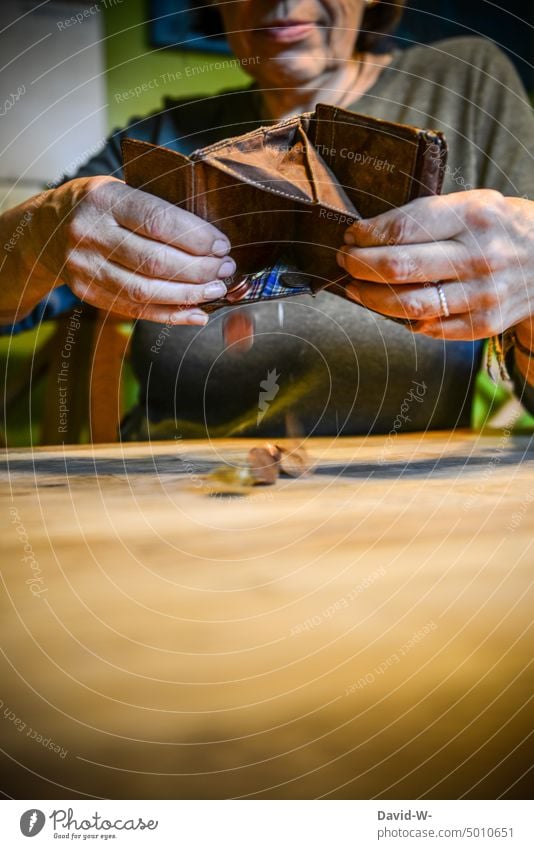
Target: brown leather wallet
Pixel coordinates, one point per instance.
(287, 192)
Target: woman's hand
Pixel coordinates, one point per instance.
(478, 244)
(126, 251)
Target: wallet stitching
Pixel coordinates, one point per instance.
(278, 191)
(405, 131)
(200, 156)
(201, 151)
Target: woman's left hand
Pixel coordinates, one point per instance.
(478, 244)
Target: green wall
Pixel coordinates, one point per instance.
(131, 62)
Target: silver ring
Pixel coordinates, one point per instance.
(443, 301)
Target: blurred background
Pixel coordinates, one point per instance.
(69, 70)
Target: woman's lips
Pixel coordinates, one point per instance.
(288, 31)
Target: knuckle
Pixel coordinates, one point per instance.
(200, 236)
(414, 308)
(395, 268)
(484, 210)
(191, 295)
(489, 298)
(501, 289)
(96, 193)
(497, 252)
(154, 265)
(494, 199)
(75, 231)
(156, 222)
(398, 229)
(137, 293)
(490, 323)
(96, 184)
(202, 270)
(494, 256)
(479, 265)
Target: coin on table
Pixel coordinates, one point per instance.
(263, 466)
(228, 480)
(295, 462)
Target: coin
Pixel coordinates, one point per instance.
(264, 468)
(225, 480)
(295, 462)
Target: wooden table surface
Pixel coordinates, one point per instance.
(362, 633)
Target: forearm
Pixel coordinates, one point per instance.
(23, 281)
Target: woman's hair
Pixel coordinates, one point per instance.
(379, 19)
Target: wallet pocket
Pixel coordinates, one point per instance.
(380, 164)
(293, 200)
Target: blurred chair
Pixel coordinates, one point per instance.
(91, 383)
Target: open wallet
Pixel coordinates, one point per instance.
(285, 194)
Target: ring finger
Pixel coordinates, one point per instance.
(414, 302)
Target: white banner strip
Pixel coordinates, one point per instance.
(268, 824)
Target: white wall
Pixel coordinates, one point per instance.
(52, 92)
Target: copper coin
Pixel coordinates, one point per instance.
(295, 462)
(263, 467)
(237, 291)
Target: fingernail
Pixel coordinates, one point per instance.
(220, 247)
(199, 318)
(214, 290)
(227, 268)
(349, 238)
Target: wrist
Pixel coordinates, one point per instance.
(23, 283)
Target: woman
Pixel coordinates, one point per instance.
(340, 369)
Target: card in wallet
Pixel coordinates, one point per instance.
(285, 194)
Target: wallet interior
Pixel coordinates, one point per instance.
(292, 189)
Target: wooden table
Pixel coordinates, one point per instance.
(362, 633)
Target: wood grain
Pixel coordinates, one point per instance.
(365, 632)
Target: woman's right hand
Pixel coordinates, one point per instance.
(129, 252)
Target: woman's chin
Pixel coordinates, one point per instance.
(291, 69)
